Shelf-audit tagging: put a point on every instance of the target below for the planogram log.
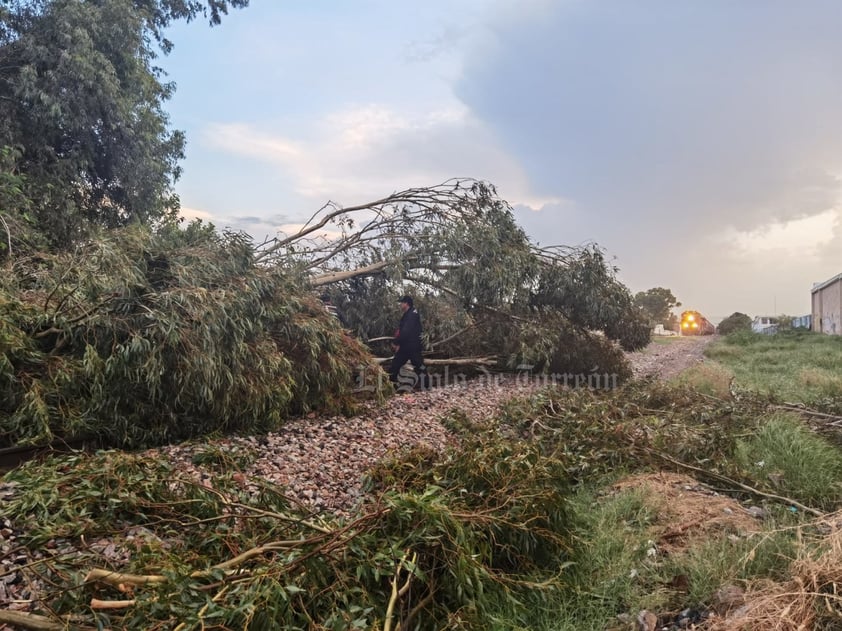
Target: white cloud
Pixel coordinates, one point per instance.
(802, 238)
(362, 153)
(243, 139)
(194, 213)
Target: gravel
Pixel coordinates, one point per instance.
(320, 461)
(665, 359)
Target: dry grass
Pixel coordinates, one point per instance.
(820, 380)
(687, 511)
(709, 378)
(810, 600)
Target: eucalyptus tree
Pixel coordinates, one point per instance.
(81, 100)
(484, 286)
(138, 337)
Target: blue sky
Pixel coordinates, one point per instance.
(698, 142)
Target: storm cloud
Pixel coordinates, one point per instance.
(667, 124)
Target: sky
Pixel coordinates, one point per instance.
(698, 142)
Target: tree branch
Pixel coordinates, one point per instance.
(727, 480)
(451, 337)
(335, 277)
(33, 621)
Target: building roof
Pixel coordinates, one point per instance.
(818, 286)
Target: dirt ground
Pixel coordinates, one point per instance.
(666, 357)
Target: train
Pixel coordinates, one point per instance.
(694, 323)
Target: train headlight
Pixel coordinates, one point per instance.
(690, 318)
(695, 325)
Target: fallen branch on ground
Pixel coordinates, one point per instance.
(740, 485)
(793, 407)
(398, 592)
(33, 621)
(101, 605)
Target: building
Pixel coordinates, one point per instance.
(803, 322)
(764, 324)
(827, 306)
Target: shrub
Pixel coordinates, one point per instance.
(735, 322)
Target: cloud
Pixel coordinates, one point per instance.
(665, 110)
(362, 153)
(194, 213)
(804, 237)
(435, 45)
(694, 141)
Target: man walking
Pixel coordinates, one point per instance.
(407, 345)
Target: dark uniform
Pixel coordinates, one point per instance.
(408, 347)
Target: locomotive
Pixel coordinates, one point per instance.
(694, 323)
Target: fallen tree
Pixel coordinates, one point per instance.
(466, 532)
(483, 286)
(138, 338)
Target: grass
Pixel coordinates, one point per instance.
(723, 561)
(707, 377)
(611, 571)
(792, 460)
(791, 366)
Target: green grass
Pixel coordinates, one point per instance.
(610, 573)
(730, 561)
(789, 459)
(617, 570)
(791, 366)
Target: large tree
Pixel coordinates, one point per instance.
(657, 304)
(82, 103)
(486, 290)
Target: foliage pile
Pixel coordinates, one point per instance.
(514, 528)
(598, 433)
(744, 447)
(140, 339)
(440, 550)
(676, 427)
